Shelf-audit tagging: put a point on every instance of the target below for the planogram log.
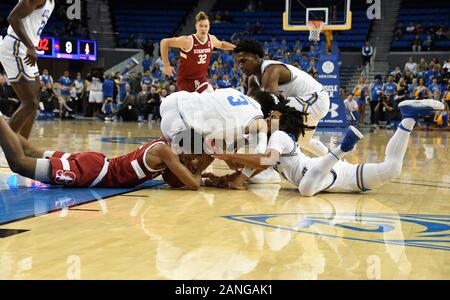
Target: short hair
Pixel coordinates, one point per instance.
(250, 46)
(201, 16)
(292, 122)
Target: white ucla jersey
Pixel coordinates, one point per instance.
(35, 22)
(301, 83)
(218, 110)
(292, 160)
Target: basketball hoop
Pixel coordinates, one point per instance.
(315, 27)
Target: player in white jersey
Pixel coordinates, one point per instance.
(222, 115)
(19, 58)
(302, 90)
(328, 173)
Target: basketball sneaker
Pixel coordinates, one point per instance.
(352, 136)
(417, 109)
(267, 176)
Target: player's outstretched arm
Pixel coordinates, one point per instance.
(182, 42)
(253, 161)
(222, 44)
(270, 79)
(172, 161)
(20, 11)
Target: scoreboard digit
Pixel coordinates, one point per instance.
(73, 49)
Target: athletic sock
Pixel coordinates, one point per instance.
(48, 154)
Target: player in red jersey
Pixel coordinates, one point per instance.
(93, 169)
(195, 55)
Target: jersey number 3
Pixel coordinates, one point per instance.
(202, 59)
(237, 102)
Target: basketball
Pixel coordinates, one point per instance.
(171, 179)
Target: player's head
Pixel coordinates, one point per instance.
(267, 101)
(171, 178)
(248, 56)
(292, 122)
(202, 24)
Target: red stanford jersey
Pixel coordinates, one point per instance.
(195, 62)
(93, 169)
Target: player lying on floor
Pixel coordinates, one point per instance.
(192, 122)
(93, 169)
(328, 173)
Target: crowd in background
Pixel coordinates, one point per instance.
(424, 35)
(415, 80)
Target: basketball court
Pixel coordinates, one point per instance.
(267, 232)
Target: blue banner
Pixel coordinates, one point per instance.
(328, 68)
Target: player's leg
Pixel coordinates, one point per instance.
(316, 110)
(23, 118)
(375, 175)
(319, 176)
(17, 160)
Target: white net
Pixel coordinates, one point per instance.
(315, 28)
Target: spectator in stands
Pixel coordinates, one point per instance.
(257, 29)
(64, 109)
(366, 54)
(428, 43)
(398, 32)
(417, 44)
(297, 46)
(441, 33)
(154, 103)
(79, 87)
(411, 65)
(446, 64)
(304, 62)
(446, 96)
(65, 85)
(361, 92)
(147, 63)
(431, 29)
(402, 91)
(313, 53)
(312, 66)
(397, 73)
(375, 90)
(411, 88)
(421, 91)
(274, 44)
(128, 109)
(142, 103)
(250, 7)
(224, 82)
(389, 106)
(408, 76)
(284, 46)
(411, 28)
(423, 63)
(435, 89)
(108, 110)
(420, 29)
(45, 77)
(108, 87)
(140, 42)
(351, 107)
(46, 98)
(389, 92)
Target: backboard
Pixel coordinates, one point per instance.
(336, 14)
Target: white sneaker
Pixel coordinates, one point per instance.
(267, 176)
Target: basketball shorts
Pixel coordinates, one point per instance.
(12, 55)
(171, 121)
(96, 97)
(85, 169)
(316, 106)
(199, 86)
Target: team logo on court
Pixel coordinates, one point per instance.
(328, 67)
(65, 177)
(413, 230)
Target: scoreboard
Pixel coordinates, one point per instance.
(74, 49)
